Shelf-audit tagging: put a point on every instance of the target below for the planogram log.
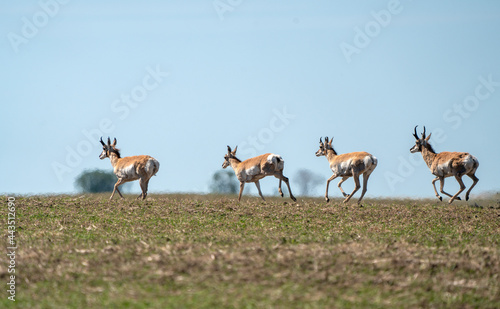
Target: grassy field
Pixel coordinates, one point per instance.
(196, 251)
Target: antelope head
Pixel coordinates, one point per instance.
(107, 149)
(423, 141)
(230, 155)
(324, 147)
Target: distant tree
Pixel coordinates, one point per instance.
(307, 181)
(224, 182)
(96, 181)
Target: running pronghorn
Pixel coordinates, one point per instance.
(347, 165)
(129, 168)
(254, 169)
(446, 164)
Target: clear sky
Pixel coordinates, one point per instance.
(180, 80)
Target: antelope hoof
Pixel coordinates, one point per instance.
(466, 197)
(327, 199)
(345, 194)
(281, 193)
(458, 198)
(440, 198)
(293, 198)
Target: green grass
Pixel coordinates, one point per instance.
(181, 251)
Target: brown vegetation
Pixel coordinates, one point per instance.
(210, 251)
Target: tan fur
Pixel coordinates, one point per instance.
(265, 168)
(138, 161)
(347, 165)
(453, 159)
(447, 164)
(131, 168)
(355, 157)
(256, 168)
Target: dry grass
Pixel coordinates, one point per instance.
(211, 252)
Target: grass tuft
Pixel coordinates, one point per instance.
(204, 251)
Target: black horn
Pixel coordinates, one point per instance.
(415, 134)
(423, 134)
(102, 142)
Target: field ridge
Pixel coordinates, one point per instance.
(209, 251)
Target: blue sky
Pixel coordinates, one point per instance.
(180, 80)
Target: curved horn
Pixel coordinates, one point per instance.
(423, 134)
(102, 142)
(415, 133)
(321, 140)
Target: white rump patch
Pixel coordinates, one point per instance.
(277, 160)
(367, 161)
(471, 163)
(152, 167)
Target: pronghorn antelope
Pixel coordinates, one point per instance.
(347, 165)
(446, 164)
(254, 169)
(129, 168)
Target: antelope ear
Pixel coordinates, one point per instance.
(228, 149)
(331, 140)
(234, 151)
(428, 137)
(114, 142)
